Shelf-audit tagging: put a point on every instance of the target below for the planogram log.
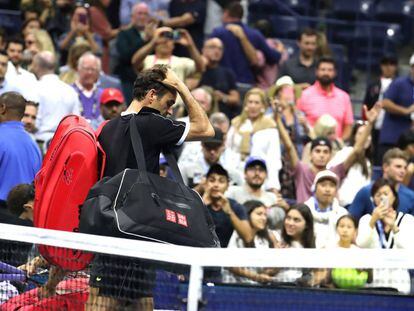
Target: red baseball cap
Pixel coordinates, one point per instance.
(112, 94)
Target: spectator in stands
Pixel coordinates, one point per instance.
(162, 43)
(30, 116)
(212, 153)
(129, 41)
(59, 22)
(296, 125)
(394, 168)
(35, 42)
(321, 150)
(228, 215)
(56, 98)
(193, 149)
(255, 174)
(68, 73)
(301, 66)
(112, 103)
(20, 156)
(359, 175)
(325, 126)
(297, 232)
(325, 207)
(406, 143)
(101, 26)
(85, 86)
(398, 105)
(30, 25)
(262, 238)
(375, 92)
(43, 8)
(347, 230)
(14, 49)
(253, 133)
(324, 97)
(24, 86)
(220, 78)
(2, 38)
(80, 31)
(159, 9)
(188, 14)
(387, 228)
(20, 201)
(241, 43)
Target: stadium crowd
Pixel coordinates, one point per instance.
(289, 165)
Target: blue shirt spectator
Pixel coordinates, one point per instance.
(20, 157)
(363, 203)
(400, 92)
(234, 56)
(394, 167)
(224, 226)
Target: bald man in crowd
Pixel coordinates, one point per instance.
(220, 78)
(56, 98)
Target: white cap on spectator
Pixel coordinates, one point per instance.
(285, 80)
(326, 174)
(412, 60)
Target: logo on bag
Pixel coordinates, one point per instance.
(182, 220)
(170, 216)
(68, 176)
(174, 217)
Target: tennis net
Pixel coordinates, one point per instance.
(124, 273)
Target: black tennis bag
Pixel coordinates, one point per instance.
(141, 205)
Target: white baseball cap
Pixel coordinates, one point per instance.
(326, 174)
(285, 80)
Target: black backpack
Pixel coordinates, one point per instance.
(141, 205)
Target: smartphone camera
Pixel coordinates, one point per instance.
(167, 34)
(83, 19)
(176, 35)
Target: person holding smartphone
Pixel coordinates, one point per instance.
(387, 228)
(80, 30)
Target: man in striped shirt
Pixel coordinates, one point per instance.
(323, 97)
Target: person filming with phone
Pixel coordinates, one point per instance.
(159, 51)
(387, 228)
(80, 31)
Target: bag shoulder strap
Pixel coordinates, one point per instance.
(139, 154)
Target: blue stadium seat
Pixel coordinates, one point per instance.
(393, 11)
(376, 172)
(263, 7)
(286, 26)
(10, 21)
(303, 7)
(352, 9)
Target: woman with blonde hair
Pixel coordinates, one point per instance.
(325, 126)
(36, 41)
(253, 133)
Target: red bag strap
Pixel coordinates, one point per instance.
(102, 154)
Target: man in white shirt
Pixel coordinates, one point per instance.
(11, 84)
(14, 50)
(56, 98)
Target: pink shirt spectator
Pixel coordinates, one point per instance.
(304, 177)
(315, 102)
